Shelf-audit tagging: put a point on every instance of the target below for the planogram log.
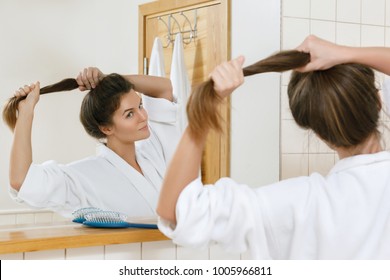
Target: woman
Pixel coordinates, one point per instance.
(127, 172)
(345, 215)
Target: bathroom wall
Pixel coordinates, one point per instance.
(349, 22)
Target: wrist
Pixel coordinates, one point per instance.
(26, 111)
(347, 55)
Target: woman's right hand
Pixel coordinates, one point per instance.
(323, 54)
(32, 96)
(89, 78)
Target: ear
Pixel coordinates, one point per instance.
(107, 129)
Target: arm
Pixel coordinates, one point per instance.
(185, 164)
(153, 86)
(21, 151)
(325, 54)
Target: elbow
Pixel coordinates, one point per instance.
(168, 90)
(166, 215)
(16, 184)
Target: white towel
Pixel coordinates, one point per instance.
(386, 95)
(156, 65)
(180, 82)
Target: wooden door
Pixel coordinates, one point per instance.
(209, 46)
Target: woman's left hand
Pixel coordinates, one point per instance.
(89, 78)
(228, 76)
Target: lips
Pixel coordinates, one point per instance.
(144, 128)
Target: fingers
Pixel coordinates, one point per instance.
(23, 91)
(228, 76)
(95, 78)
(89, 78)
(86, 78)
(35, 92)
(238, 62)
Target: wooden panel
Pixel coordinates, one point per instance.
(22, 238)
(210, 47)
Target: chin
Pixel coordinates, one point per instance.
(144, 135)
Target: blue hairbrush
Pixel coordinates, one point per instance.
(112, 219)
(79, 215)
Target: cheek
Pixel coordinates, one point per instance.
(126, 126)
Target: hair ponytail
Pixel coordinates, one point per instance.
(11, 107)
(202, 106)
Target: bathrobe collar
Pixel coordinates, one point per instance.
(141, 183)
(359, 160)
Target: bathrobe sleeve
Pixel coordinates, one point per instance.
(164, 130)
(53, 186)
(227, 213)
(240, 218)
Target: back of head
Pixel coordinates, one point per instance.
(100, 103)
(341, 104)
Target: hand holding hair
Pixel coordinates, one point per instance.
(12, 106)
(29, 96)
(228, 76)
(202, 106)
(89, 78)
(323, 54)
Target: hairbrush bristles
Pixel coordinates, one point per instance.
(79, 215)
(106, 217)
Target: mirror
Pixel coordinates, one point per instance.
(49, 41)
(68, 36)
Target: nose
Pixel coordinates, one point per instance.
(142, 115)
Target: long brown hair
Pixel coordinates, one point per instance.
(10, 110)
(97, 107)
(341, 104)
(202, 106)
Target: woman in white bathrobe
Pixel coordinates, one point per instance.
(126, 174)
(344, 215)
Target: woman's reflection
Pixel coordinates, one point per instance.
(138, 137)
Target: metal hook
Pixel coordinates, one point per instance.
(172, 26)
(192, 31)
(168, 36)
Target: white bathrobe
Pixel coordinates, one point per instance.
(345, 215)
(106, 180)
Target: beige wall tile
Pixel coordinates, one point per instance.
(294, 165)
(321, 163)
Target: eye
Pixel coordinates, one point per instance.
(130, 114)
(141, 106)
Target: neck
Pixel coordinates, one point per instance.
(125, 151)
(370, 146)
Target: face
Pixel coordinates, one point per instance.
(130, 120)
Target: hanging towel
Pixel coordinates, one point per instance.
(156, 65)
(180, 82)
(386, 95)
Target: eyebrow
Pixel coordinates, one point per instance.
(130, 109)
